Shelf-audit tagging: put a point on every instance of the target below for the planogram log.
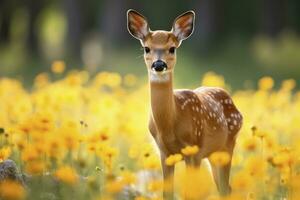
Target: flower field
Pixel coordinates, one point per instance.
(80, 136)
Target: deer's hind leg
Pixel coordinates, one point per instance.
(221, 173)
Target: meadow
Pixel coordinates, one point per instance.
(80, 136)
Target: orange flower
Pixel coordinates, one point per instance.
(250, 144)
(35, 167)
(67, 175)
(58, 67)
(266, 83)
(11, 190)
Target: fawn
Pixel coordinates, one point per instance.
(205, 117)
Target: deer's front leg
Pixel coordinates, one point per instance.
(193, 161)
(168, 176)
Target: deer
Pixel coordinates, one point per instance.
(205, 116)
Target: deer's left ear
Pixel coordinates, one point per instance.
(183, 25)
(137, 25)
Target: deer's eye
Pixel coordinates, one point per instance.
(147, 49)
(172, 50)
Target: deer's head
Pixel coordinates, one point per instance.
(160, 46)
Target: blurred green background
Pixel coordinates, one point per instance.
(242, 40)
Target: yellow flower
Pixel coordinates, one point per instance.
(4, 153)
(140, 198)
(284, 179)
(260, 134)
(256, 166)
(130, 80)
(250, 144)
(212, 79)
(241, 181)
(195, 183)
(11, 190)
(251, 196)
(70, 136)
(128, 178)
(220, 158)
(114, 186)
(155, 185)
(173, 159)
(288, 85)
(67, 175)
(190, 150)
(112, 80)
(266, 83)
(282, 159)
(151, 162)
(107, 153)
(41, 80)
(133, 151)
(76, 122)
(35, 167)
(30, 153)
(58, 67)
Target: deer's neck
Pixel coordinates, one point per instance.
(162, 101)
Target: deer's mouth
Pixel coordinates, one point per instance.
(160, 73)
(162, 76)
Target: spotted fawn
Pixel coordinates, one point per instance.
(206, 116)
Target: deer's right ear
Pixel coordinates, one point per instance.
(137, 25)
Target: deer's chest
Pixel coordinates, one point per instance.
(182, 133)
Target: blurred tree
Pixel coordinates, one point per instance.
(73, 14)
(206, 22)
(224, 24)
(5, 15)
(34, 8)
(113, 19)
(273, 16)
(4, 27)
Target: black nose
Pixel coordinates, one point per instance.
(159, 66)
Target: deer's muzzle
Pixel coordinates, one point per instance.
(159, 66)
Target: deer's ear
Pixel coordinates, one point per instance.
(183, 25)
(137, 25)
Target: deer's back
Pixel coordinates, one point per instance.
(219, 101)
(210, 110)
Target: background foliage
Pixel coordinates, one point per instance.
(241, 40)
